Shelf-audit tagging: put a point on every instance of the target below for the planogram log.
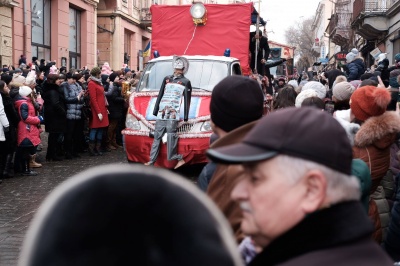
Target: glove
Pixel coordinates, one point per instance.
(7, 133)
(284, 60)
(100, 116)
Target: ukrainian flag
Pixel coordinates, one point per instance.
(146, 52)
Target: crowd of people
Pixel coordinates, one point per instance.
(362, 100)
(313, 181)
(82, 110)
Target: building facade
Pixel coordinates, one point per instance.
(322, 46)
(56, 30)
(123, 32)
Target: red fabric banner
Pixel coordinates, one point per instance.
(173, 31)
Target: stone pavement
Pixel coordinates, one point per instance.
(21, 196)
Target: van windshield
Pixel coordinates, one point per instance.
(202, 74)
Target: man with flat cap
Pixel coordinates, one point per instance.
(175, 90)
(299, 201)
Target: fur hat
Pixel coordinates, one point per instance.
(317, 87)
(342, 91)
(369, 101)
(304, 94)
(236, 101)
(95, 71)
(24, 91)
(18, 78)
(350, 57)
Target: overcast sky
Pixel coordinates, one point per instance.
(281, 14)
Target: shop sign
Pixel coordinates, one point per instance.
(340, 56)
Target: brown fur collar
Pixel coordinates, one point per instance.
(377, 128)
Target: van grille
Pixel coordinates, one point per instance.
(185, 128)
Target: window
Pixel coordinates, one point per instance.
(74, 38)
(127, 46)
(41, 28)
(202, 74)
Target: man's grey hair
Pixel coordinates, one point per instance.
(340, 187)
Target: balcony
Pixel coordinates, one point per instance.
(9, 3)
(369, 18)
(145, 17)
(339, 28)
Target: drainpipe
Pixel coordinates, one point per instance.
(25, 37)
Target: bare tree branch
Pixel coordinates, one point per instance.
(301, 36)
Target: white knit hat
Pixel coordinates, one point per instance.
(350, 57)
(24, 91)
(304, 94)
(343, 90)
(293, 83)
(316, 86)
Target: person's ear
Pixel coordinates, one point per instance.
(315, 191)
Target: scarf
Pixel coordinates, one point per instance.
(98, 80)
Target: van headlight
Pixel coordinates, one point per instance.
(206, 126)
(131, 122)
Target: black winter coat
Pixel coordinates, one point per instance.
(13, 119)
(337, 235)
(55, 109)
(115, 103)
(263, 52)
(392, 241)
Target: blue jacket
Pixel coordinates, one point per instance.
(71, 92)
(355, 69)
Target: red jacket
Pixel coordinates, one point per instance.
(98, 105)
(27, 126)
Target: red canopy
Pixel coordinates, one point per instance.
(173, 31)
